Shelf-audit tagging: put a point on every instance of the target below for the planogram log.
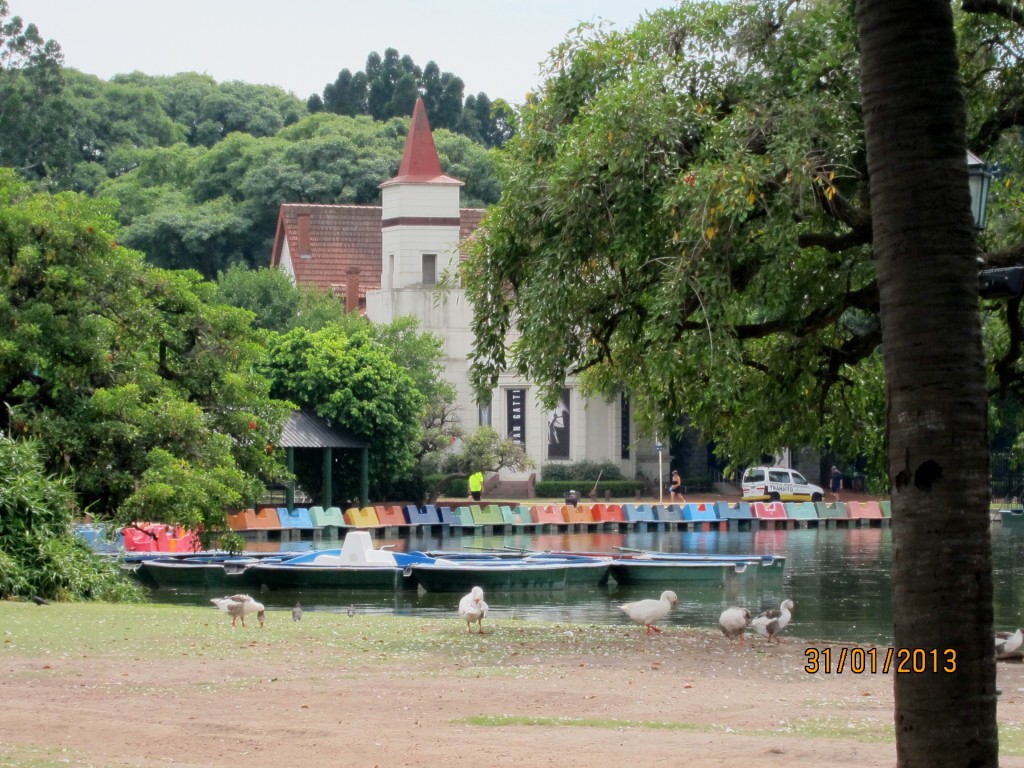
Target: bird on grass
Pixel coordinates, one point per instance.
(734, 622)
(473, 609)
(1008, 642)
(297, 612)
(240, 606)
(646, 612)
(39, 600)
(770, 623)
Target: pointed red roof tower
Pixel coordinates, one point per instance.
(420, 164)
(420, 222)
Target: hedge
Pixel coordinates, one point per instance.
(550, 489)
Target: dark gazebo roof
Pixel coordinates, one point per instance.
(307, 430)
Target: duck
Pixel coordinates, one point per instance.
(770, 623)
(734, 622)
(240, 606)
(1008, 642)
(473, 609)
(646, 612)
(297, 612)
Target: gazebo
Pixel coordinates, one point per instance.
(307, 430)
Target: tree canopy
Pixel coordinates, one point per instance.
(351, 379)
(135, 381)
(697, 186)
(390, 85)
(205, 209)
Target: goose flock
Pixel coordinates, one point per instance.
(734, 621)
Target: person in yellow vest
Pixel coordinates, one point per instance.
(476, 485)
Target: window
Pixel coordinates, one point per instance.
(485, 415)
(429, 268)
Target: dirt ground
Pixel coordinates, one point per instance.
(346, 691)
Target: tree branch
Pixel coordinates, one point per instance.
(1003, 8)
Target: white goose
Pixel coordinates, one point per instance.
(239, 606)
(646, 612)
(734, 622)
(770, 623)
(1008, 642)
(473, 609)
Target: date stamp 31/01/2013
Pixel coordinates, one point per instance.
(858, 660)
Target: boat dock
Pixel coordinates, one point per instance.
(390, 521)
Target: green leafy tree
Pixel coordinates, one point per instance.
(138, 383)
(350, 379)
(346, 95)
(390, 85)
(205, 209)
(210, 111)
(675, 189)
(34, 126)
(482, 450)
(279, 304)
(109, 116)
(699, 187)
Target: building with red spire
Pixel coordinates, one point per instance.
(388, 260)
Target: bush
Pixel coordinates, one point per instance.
(456, 487)
(550, 489)
(39, 553)
(581, 471)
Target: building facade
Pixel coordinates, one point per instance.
(389, 259)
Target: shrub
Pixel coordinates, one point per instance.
(550, 489)
(581, 471)
(39, 553)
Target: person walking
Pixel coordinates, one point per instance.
(676, 487)
(476, 485)
(836, 482)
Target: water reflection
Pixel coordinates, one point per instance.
(838, 578)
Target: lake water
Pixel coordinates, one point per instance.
(838, 579)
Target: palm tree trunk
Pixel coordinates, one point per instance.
(934, 368)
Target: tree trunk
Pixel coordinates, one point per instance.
(934, 368)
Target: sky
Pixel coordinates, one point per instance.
(301, 45)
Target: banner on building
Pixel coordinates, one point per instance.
(516, 415)
(624, 421)
(558, 428)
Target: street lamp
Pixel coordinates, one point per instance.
(979, 177)
(1002, 283)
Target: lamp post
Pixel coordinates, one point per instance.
(1000, 283)
(659, 447)
(979, 177)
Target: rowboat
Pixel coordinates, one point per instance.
(199, 571)
(356, 565)
(628, 566)
(496, 573)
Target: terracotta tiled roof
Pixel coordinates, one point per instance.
(469, 220)
(342, 237)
